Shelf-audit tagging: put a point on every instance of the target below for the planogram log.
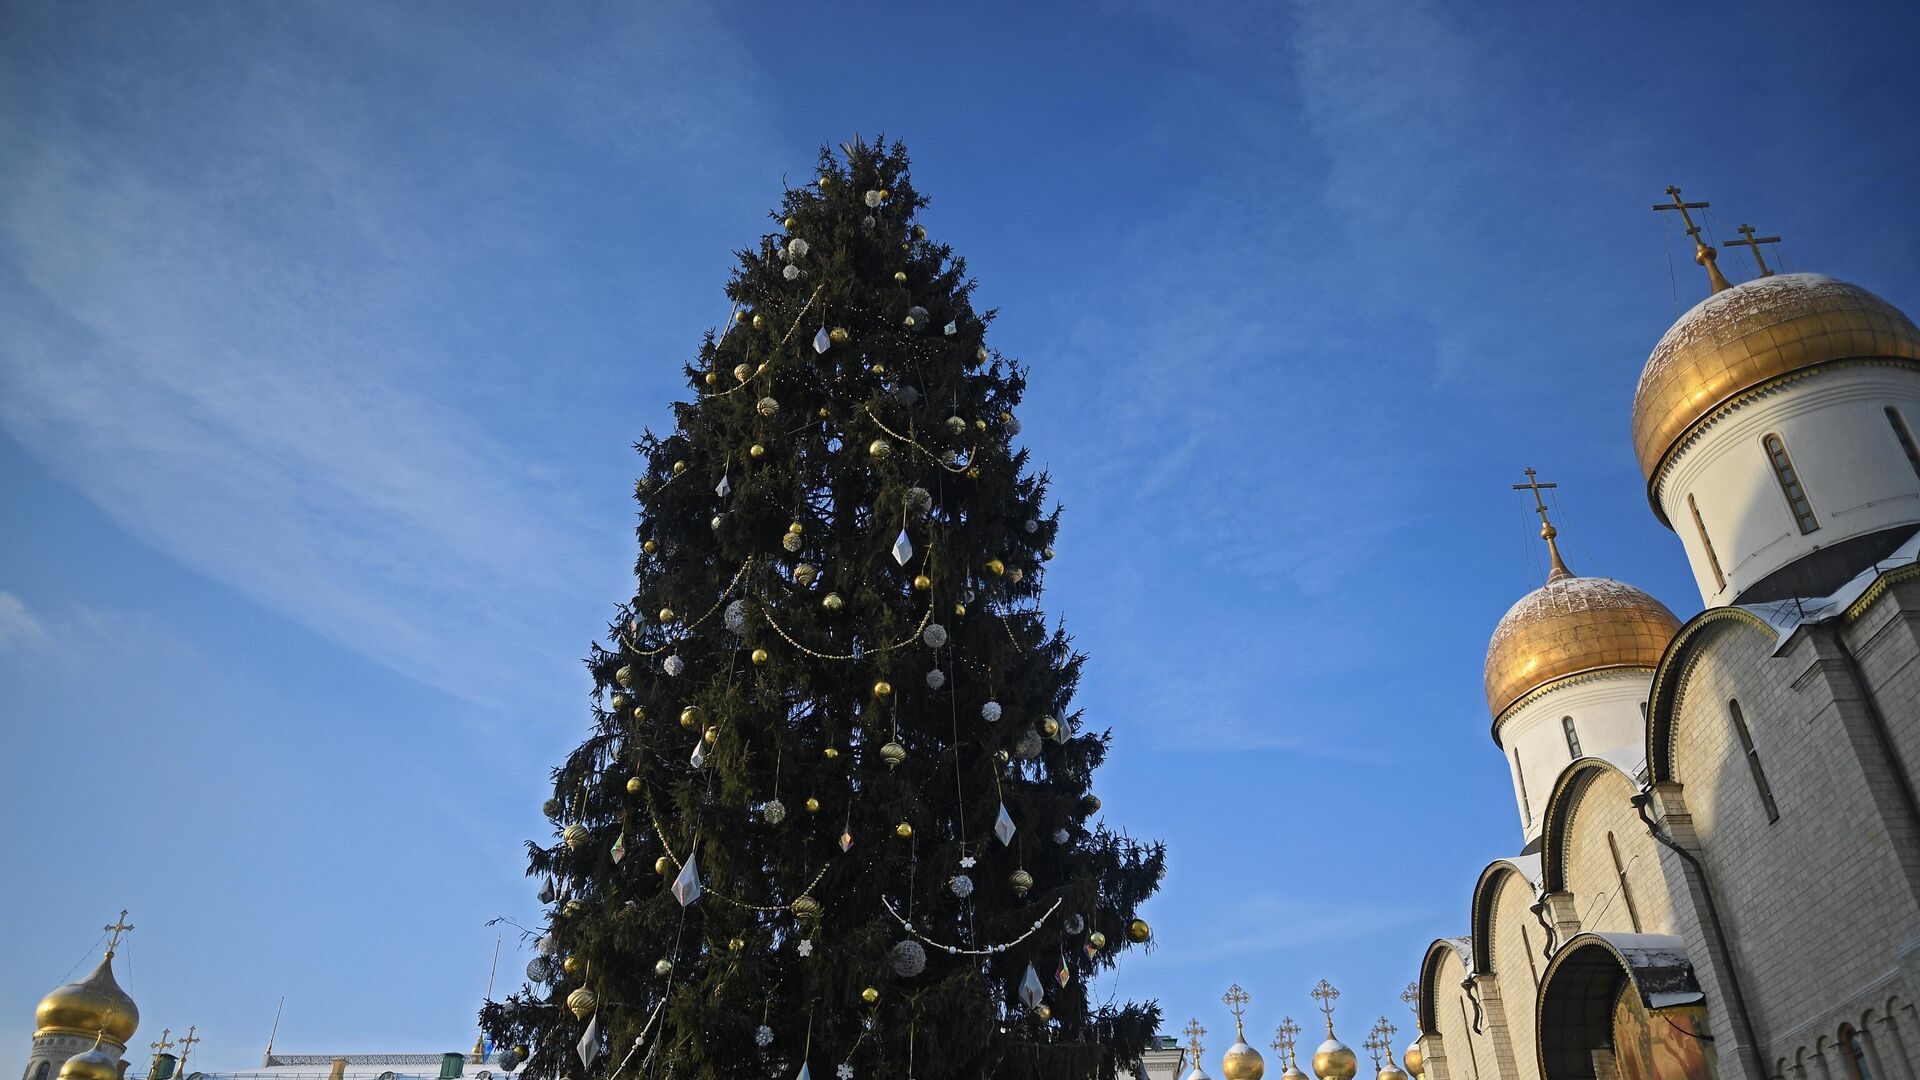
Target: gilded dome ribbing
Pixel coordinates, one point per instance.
(1749, 335)
(89, 1007)
(1571, 626)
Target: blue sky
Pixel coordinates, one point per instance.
(325, 332)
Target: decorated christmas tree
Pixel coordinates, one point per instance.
(835, 814)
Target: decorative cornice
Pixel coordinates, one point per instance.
(1545, 688)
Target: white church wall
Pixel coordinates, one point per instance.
(1817, 911)
(1513, 935)
(1885, 640)
(1469, 1056)
(1856, 474)
(1607, 717)
(1603, 837)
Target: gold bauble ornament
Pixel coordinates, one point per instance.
(793, 542)
(1097, 939)
(1015, 575)
(690, 716)
(994, 567)
(813, 805)
(679, 467)
(979, 425)
(789, 224)
(900, 276)
(649, 547)
(1139, 931)
(882, 688)
(831, 752)
(919, 232)
(1002, 756)
(571, 965)
(804, 573)
(956, 425)
(634, 786)
(639, 712)
(663, 967)
(893, 754)
(1043, 1012)
(1047, 554)
(826, 181)
(1092, 803)
(712, 735)
(661, 865)
(761, 656)
(877, 369)
(959, 609)
(713, 378)
(832, 603)
(885, 194)
(903, 830)
(581, 1003)
(922, 582)
(625, 675)
(1021, 882)
(795, 529)
(980, 354)
(879, 448)
(838, 335)
(807, 908)
(739, 316)
(575, 837)
(1049, 727)
(824, 413)
(667, 615)
(869, 995)
(756, 451)
(735, 944)
(758, 322)
(1005, 416)
(520, 1052)
(743, 372)
(973, 472)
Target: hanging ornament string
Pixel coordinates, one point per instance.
(955, 950)
(688, 628)
(909, 440)
(765, 364)
(766, 610)
(706, 890)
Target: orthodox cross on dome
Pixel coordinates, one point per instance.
(1702, 254)
(186, 1047)
(1547, 533)
(159, 1048)
(1283, 1037)
(1374, 1041)
(1411, 995)
(1193, 1032)
(1236, 999)
(1326, 995)
(1752, 243)
(118, 929)
(1385, 1031)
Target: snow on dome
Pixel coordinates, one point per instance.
(1569, 626)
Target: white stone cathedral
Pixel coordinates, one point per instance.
(1720, 868)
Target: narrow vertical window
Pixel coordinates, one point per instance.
(1753, 761)
(1626, 894)
(1855, 1052)
(1905, 436)
(1526, 807)
(1790, 485)
(1526, 939)
(1471, 1056)
(1573, 737)
(1713, 558)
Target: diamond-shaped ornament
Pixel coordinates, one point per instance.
(1003, 825)
(902, 548)
(1031, 992)
(722, 487)
(950, 329)
(846, 840)
(821, 342)
(699, 757)
(686, 887)
(1063, 974)
(620, 847)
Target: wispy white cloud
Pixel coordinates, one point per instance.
(20, 629)
(238, 355)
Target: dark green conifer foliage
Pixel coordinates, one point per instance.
(768, 611)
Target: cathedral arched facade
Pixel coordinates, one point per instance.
(1720, 864)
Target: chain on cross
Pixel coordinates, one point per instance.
(1702, 253)
(1752, 243)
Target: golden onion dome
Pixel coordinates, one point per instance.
(1391, 1072)
(1416, 1061)
(1750, 336)
(93, 1006)
(1242, 1062)
(1572, 626)
(1294, 1072)
(94, 1064)
(1335, 1060)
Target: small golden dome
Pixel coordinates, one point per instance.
(93, 1006)
(94, 1064)
(1294, 1072)
(1416, 1061)
(1242, 1062)
(1391, 1072)
(1335, 1060)
(1570, 626)
(1752, 334)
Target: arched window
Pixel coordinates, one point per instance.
(1902, 433)
(46, 1066)
(1626, 894)
(1526, 807)
(1713, 558)
(1573, 737)
(1790, 485)
(1853, 1053)
(1753, 760)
